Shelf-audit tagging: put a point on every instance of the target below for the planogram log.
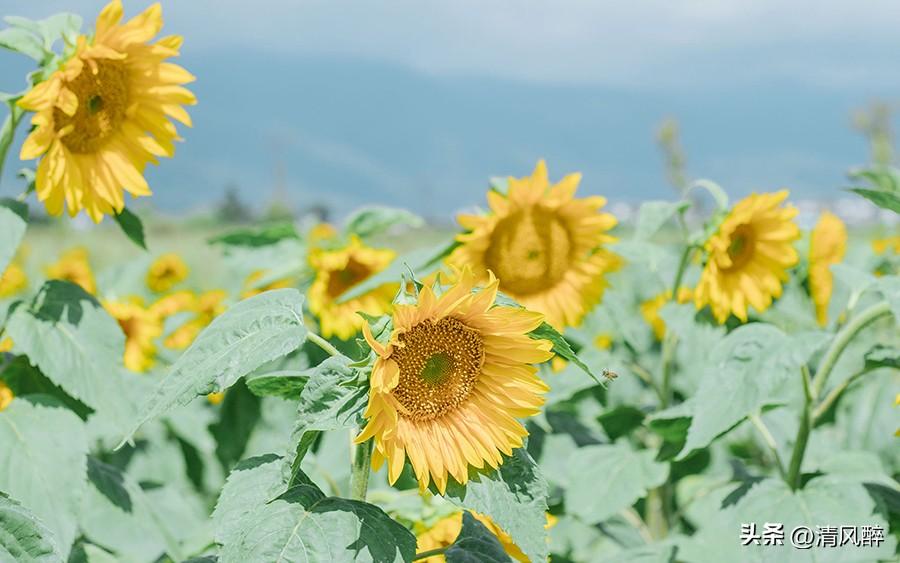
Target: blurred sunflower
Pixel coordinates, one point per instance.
(251, 288)
(173, 303)
(166, 272)
(216, 398)
(446, 530)
(748, 257)
(338, 270)
(141, 327)
(104, 114)
(73, 266)
(827, 245)
(6, 396)
(206, 307)
(6, 344)
(321, 232)
(882, 245)
(650, 309)
(543, 244)
(449, 384)
(13, 281)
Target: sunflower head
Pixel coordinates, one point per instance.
(650, 309)
(748, 256)
(543, 244)
(444, 533)
(13, 281)
(141, 327)
(105, 113)
(6, 344)
(338, 270)
(6, 396)
(827, 245)
(449, 383)
(166, 272)
(205, 307)
(73, 266)
(885, 244)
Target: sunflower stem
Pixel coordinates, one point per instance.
(322, 343)
(359, 470)
(8, 132)
(835, 394)
(430, 553)
(793, 474)
(757, 422)
(842, 339)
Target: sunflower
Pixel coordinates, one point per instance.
(444, 533)
(827, 246)
(13, 281)
(338, 270)
(73, 266)
(650, 309)
(206, 307)
(104, 114)
(166, 272)
(216, 398)
(448, 385)
(252, 288)
(543, 244)
(6, 396)
(882, 245)
(141, 327)
(321, 232)
(748, 257)
(6, 344)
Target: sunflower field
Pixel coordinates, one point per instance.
(541, 383)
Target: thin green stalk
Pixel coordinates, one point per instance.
(8, 132)
(322, 343)
(657, 520)
(645, 376)
(359, 471)
(671, 339)
(842, 339)
(834, 395)
(767, 437)
(793, 475)
(430, 553)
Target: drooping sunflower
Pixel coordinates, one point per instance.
(544, 245)
(166, 272)
(338, 270)
(141, 327)
(6, 396)
(748, 257)
(252, 287)
(650, 309)
(827, 245)
(205, 307)
(13, 281)
(449, 384)
(73, 266)
(105, 113)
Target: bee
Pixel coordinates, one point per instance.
(609, 374)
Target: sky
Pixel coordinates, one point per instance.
(417, 104)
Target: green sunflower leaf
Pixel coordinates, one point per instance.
(882, 198)
(257, 330)
(376, 220)
(475, 544)
(132, 226)
(653, 215)
(23, 537)
(255, 237)
(287, 384)
(561, 347)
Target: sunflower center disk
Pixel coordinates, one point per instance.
(741, 248)
(530, 251)
(102, 100)
(342, 280)
(439, 366)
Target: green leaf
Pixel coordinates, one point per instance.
(514, 496)
(715, 190)
(255, 237)
(305, 525)
(249, 334)
(653, 215)
(882, 356)
(12, 229)
(672, 426)
(422, 261)
(23, 537)
(376, 220)
(604, 479)
(287, 384)
(744, 371)
(331, 399)
(820, 503)
(561, 347)
(21, 41)
(475, 544)
(620, 420)
(43, 448)
(78, 346)
(889, 286)
(62, 26)
(883, 199)
(238, 416)
(132, 226)
(251, 484)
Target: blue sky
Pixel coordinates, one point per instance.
(418, 103)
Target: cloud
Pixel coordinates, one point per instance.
(651, 43)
